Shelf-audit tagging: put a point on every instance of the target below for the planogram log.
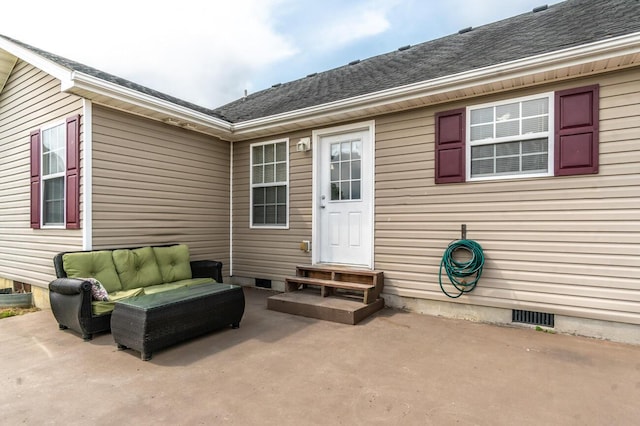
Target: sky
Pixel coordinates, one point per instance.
(210, 51)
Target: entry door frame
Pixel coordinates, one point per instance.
(316, 135)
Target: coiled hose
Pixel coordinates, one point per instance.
(459, 271)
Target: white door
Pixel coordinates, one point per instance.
(344, 197)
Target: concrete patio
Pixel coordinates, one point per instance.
(394, 368)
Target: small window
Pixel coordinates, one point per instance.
(53, 151)
(510, 139)
(270, 184)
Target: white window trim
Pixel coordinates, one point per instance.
(251, 186)
(62, 174)
(549, 135)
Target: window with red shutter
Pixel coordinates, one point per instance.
(450, 146)
(576, 131)
(35, 179)
(73, 173)
(55, 175)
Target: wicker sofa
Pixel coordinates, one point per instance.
(123, 273)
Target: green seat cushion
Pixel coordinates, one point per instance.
(137, 268)
(104, 307)
(173, 262)
(93, 264)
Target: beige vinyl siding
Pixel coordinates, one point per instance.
(29, 100)
(565, 245)
(155, 184)
(271, 253)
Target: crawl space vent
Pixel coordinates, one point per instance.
(531, 317)
(260, 282)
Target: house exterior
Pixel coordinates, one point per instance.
(525, 131)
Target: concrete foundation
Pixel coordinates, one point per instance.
(607, 330)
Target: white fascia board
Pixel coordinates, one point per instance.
(98, 86)
(627, 44)
(58, 71)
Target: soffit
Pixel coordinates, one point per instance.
(7, 62)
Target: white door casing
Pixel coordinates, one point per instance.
(343, 195)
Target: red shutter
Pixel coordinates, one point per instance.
(576, 131)
(450, 146)
(73, 172)
(35, 179)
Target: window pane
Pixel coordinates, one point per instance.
(258, 157)
(355, 190)
(270, 218)
(538, 162)
(508, 112)
(535, 107)
(507, 164)
(346, 151)
(507, 128)
(345, 170)
(355, 170)
(335, 172)
(511, 148)
(281, 172)
(356, 150)
(482, 151)
(258, 215)
(335, 191)
(481, 167)
(270, 195)
(534, 146)
(281, 215)
(335, 152)
(482, 132)
(258, 174)
(281, 197)
(482, 115)
(281, 151)
(269, 153)
(535, 125)
(258, 196)
(53, 201)
(269, 173)
(345, 193)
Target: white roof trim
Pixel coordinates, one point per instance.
(58, 71)
(567, 57)
(98, 86)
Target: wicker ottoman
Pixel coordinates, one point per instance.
(151, 322)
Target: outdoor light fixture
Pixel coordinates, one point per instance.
(304, 145)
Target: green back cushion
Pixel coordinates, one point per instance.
(137, 268)
(173, 262)
(94, 264)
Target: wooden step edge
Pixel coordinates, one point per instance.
(330, 283)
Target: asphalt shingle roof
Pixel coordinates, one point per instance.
(560, 26)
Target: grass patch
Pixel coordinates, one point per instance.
(12, 312)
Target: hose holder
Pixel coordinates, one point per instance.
(464, 275)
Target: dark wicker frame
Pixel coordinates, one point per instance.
(70, 298)
(147, 330)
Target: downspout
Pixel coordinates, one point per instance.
(231, 211)
(87, 175)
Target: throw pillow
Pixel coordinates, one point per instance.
(98, 292)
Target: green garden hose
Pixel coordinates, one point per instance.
(464, 275)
